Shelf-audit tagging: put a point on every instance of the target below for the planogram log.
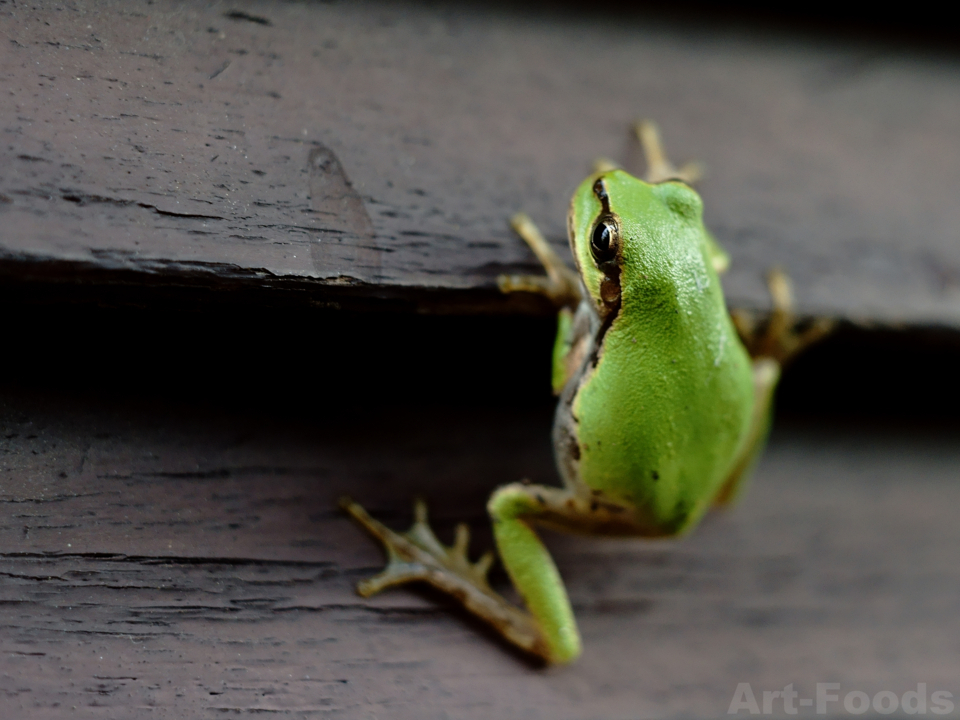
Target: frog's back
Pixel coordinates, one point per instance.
(665, 404)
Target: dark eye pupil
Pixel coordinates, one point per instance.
(601, 238)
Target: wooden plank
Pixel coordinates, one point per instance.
(361, 150)
(170, 543)
(182, 560)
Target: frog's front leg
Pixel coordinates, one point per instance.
(779, 337)
(659, 168)
(561, 284)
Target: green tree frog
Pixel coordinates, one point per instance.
(662, 408)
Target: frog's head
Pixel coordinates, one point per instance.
(624, 231)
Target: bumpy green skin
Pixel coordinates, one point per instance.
(666, 411)
(534, 573)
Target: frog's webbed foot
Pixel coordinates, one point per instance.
(560, 284)
(417, 555)
(779, 336)
(413, 555)
(659, 168)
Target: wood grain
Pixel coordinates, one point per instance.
(174, 559)
(224, 185)
(175, 144)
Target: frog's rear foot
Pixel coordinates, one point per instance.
(417, 555)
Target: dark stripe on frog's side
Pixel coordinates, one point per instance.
(566, 441)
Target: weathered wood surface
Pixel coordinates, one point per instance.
(359, 150)
(170, 546)
(182, 562)
(169, 543)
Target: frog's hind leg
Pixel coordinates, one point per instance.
(561, 284)
(549, 629)
(417, 555)
(515, 509)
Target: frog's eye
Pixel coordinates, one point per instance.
(603, 243)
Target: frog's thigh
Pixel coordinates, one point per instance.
(766, 374)
(513, 509)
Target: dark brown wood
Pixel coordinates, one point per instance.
(169, 538)
(350, 151)
(168, 558)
